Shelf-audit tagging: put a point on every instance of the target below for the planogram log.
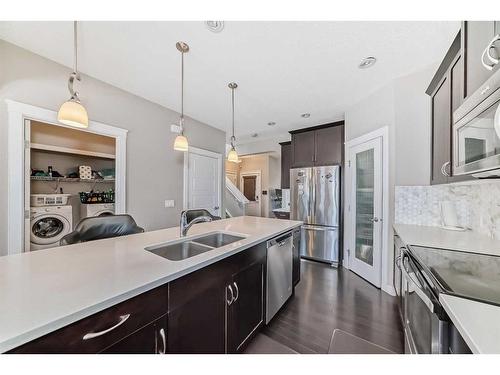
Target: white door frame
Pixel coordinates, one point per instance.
(386, 282)
(258, 185)
(220, 166)
(16, 114)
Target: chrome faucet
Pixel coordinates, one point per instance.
(184, 223)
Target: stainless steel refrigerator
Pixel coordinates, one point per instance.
(315, 200)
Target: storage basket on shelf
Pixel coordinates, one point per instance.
(38, 200)
(91, 197)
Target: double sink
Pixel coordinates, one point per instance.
(192, 246)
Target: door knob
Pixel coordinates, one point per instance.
(375, 220)
(216, 207)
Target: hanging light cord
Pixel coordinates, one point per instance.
(182, 93)
(74, 75)
(233, 138)
(75, 45)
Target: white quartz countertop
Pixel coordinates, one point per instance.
(472, 242)
(477, 322)
(45, 290)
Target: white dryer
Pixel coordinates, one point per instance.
(96, 209)
(49, 224)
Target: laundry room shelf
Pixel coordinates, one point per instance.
(65, 179)
(67, 150)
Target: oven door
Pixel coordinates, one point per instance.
(425, 333)
(476, 133)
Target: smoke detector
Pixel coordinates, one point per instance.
(215, 26)
(367, 62)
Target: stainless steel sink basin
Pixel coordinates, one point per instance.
(217, 239)
(179, 250)
(190, 247)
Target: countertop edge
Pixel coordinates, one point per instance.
(54, 325)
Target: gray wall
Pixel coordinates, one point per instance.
(154, 169)
(403, 106)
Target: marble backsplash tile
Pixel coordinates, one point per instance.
(477, 204)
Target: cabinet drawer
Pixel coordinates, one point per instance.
(99, 331)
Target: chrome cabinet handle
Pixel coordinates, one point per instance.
(123, 319)
(444, 172)
(229, 302)
(492, 46)
(164, 342)
(486, 52)
(237, 292)
(425, 299)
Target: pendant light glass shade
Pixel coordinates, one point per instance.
(233, 156)
(181, 143)
(72, 112)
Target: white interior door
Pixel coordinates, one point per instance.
(365, 208)
(251, 189)
(203, 180)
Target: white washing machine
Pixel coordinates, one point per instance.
(49, 224)
(97, 209)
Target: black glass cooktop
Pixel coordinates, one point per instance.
(474, 276)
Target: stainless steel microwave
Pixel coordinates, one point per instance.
(476, 132)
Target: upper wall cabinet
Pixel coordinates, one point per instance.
(447, 92)
(481, 46)
(286, 164)
(322, 145)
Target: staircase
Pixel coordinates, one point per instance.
(235, 200)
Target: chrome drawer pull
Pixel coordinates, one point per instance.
(230, 301)
(237, 292)
(164, 341)
(123, 319)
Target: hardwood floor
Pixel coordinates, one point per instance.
(327, 299)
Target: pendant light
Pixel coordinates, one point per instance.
(232, 155)
(72, 112)
(181, 142)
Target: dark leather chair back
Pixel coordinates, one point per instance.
(99, 227)
(193, 214)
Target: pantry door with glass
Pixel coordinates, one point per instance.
(365, 209)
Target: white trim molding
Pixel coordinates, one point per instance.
(220, 169)
(386, 283)
(16, 114)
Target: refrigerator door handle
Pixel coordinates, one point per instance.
(311, 227)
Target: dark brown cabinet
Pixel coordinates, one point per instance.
(218, 308)
(321, 145)
(246, 312)
(151, 339)
(329, 144)
(303, 149)
(476, 37)
(104, 329)
(197, 311)
(446, 91)
(286, 164)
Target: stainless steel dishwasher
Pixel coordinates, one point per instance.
(279, 273)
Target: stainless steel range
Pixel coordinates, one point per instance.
(428, 272)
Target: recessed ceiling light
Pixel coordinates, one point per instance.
(271, 123)
(305, 115)
(215, 26)
(255, 135)
(367, 62)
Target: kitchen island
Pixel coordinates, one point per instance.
(42, 292)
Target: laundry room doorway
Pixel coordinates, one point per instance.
(58, 175)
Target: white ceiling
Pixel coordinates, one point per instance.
(283, 69)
